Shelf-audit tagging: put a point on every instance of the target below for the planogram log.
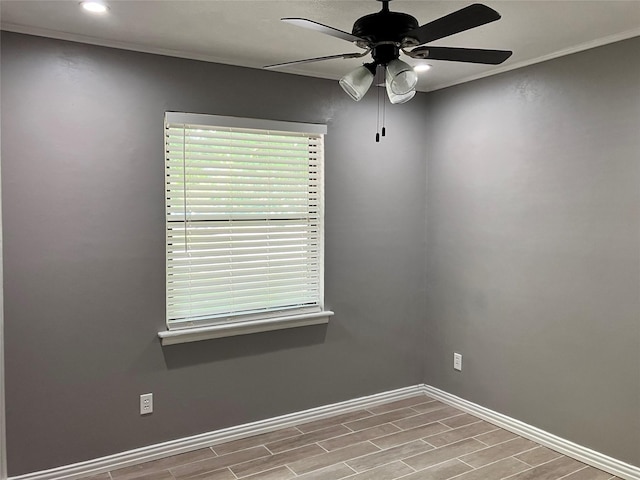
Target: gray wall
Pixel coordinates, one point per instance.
(83, 207)
(533, 260)
(533, 245)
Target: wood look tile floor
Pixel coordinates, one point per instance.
(417, 438)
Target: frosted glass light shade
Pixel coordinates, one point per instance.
(357, 82)
(395, 99)
(401, 78)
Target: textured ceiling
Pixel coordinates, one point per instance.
(250, 33)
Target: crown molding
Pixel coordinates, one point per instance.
(627, 34)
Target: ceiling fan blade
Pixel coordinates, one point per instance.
(319, 27)
(456, 22)
(317, 59)
(469, 55)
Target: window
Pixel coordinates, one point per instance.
(244, 216)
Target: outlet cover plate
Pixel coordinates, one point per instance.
(457, 362)
(146, 404)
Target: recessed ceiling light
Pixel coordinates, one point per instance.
(422, 67)
(94, 7)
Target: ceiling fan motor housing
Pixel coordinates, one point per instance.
(386, 31)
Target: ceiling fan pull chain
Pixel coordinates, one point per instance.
(378, 118)
(384, 114)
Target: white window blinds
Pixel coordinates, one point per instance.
(244, 219)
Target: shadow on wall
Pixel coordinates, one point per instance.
(255, 344)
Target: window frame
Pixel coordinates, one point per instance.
(240, 324)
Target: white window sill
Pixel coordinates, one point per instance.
(172, 337)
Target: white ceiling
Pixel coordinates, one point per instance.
(249, 33)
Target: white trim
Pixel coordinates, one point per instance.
(322, 228)
(240, 122)
(566, 447)
(559, 53)
(175, 447)
(171, 337)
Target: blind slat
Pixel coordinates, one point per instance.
(256, 279)
(257, 270)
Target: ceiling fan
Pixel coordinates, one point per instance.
(386, 34)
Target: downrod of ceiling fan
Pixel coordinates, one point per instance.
(384, 26)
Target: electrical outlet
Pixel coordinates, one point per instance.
(457, 361)
(146, 403)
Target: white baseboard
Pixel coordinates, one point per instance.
(573, 450)
(175, 447)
